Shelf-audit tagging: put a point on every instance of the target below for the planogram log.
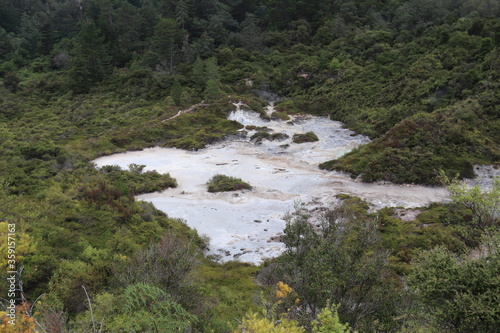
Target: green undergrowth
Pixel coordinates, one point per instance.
(81, 208)
(406, 238)
(232, 288)
(192, 131)
(427, 227)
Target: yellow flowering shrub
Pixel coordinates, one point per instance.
(22, 244)
(21, 323)
(283, 290)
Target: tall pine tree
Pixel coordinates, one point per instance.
(91, 60)
(167, 33)
(176, 92)
(212, 90)
(199, 73)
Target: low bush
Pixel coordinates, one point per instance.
(280, 116)
(258, 128)
(305, 137)
(222, 183)
(136, 181)
(263, 135)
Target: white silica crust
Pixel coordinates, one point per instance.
(245, 225)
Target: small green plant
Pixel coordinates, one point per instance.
(328, 321)
(305, 137)
(222, 183)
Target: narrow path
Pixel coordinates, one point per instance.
(190, 109)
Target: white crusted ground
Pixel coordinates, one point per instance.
(241, 224)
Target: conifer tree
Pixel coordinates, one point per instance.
(212, 78)
(199, 72)
(212, 69)
(127, 29)
(176, 92)
(212, 91)
(90, 63)
(182, 12)
(166, 33)
(46, 38)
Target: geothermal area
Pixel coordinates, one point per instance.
(246, 225)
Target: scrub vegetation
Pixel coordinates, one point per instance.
(305, 137)
(83, 79)
(265, 135)
(222, 183)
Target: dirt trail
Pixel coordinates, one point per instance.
(190, 109)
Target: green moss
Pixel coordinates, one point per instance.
(222, 183)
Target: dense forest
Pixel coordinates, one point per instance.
(87, 78)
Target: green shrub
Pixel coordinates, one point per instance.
(11, 81)
(136, 181)
(263, 135)
(305, 137)
(222, 183)
(258, 128)
(286, 105)
(280, 116)
(44, 151)
(7, 67)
